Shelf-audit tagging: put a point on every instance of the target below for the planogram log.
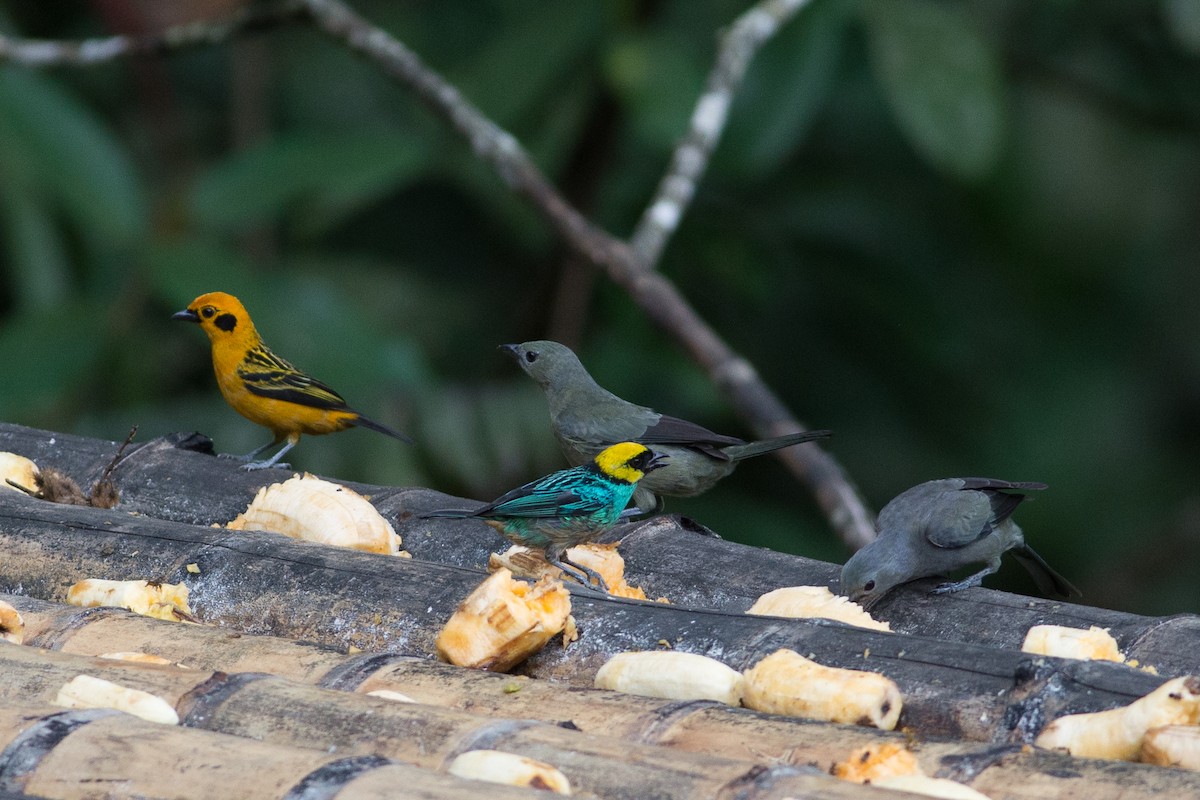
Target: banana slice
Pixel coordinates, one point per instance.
(1118, 733)
(672, 675)
(814, 601)
(84, 691)
(1057, 640)
(786, 682)
(19, 470)
(12, 627)
(496, 766)
(1172, 746)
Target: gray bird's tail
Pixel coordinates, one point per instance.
(1049, 582)
(737, 452)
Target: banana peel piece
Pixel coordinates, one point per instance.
(602, 558)
(316, 510)
(503, 622)
(166, 601)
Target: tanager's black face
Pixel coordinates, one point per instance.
(648, 461)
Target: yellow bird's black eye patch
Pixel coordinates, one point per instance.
(226, 322)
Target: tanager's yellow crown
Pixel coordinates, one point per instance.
(614, 461)
(222, 316)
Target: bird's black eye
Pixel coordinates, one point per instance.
(869, 586)
(531, 356)
(207, 311)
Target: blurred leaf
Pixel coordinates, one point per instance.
(488, 439)
(325, 177)
(48, 135)
(1183, 20)
(943, 82)
(47, 353)
(38, 262)
(525, 60)
(785, 88)
(658, 78)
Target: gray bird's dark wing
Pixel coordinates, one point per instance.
(593, 423)
(960, 517)
(672, 430)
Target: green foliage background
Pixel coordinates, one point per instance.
(964, 234)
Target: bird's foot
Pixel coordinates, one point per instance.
(966, 583)
(233, 457)
(580, 573)
(267, 464)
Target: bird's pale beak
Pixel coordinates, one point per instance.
(865, 599)
(187, 315)
(511, 350)
(656, 461)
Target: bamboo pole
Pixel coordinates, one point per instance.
(665, 555)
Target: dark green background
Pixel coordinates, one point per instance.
(962, 234)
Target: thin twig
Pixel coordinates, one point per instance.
(89, 52)
(738, 46)
(657, 296)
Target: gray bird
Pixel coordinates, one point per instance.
(586, 418)
(939, 526)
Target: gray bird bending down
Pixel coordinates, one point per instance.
(939, 526)
(587, 418)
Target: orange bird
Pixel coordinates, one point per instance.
(265, 388)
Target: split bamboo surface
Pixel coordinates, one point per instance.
(176, 478)
(288, 714)
(265, 583)
(50, 752)
(711, 749)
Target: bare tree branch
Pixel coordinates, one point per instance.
(738, 46)
(659, 299)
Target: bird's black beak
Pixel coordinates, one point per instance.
(511, 350)
(187, 315)
(656, 461)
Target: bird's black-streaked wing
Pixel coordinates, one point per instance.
(267, 375)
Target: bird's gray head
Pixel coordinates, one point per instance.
(871, 573)
(549, 363)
